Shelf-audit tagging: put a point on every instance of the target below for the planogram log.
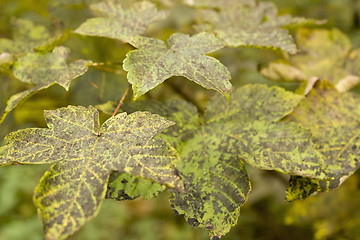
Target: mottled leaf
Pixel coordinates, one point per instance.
(26, 37)
(325, 54)
(155, 61)
(250, 24)
(213, 152)
(217, 3)
(124, 186)
(121, 23)
(334, 120)
(44, 70)
(84, 154)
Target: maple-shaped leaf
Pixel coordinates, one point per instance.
(71, 191)
(213, 151)
(248, 23)
(124, 186)
(155, 61)
(120, 23)
(334, 120)
(324, 54)
(43, 70)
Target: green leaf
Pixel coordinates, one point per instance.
(154, 62)
(333, 119)
(213, 153)
(48, 68)
(120, 23)
(123, 186)
(325, 54)
(71, 192)
(26, 36)
(216, 3)
(249, 23)
(44, 70)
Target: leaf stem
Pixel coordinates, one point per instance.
(101, 66)
(121, 102)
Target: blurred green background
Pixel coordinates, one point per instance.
(333, 215)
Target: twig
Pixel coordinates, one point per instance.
(102, 67)
(121, 102)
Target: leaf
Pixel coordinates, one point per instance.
(282, 71)
(250, 24)
(154, 62)
(333, 119)
(325, 54)
(84, 154)
(216, 3)
(120, 23)
(213, 153)
(44, 70)
(123, 186)
(26, 36)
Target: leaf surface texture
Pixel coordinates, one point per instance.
(43, 70)
(84, 154)
(334, 120)
(249, 23)
(155, 61)
(120, 23)
(213, 152)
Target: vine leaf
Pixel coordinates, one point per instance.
(119, 23)
(43, 70)
(124, 186)
(249, 23)
(325, 54)
(213, 153)
(84, 154)
(334, 120)
(153, 62)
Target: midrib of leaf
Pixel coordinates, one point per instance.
(82, 182)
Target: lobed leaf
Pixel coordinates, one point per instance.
(333, 119)
(247, 23)
(84, 154)
(213, 153)
(120, 23)
(324, 54)
(154, 62)
(43, 70)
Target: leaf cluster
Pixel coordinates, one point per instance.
(197, 149)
